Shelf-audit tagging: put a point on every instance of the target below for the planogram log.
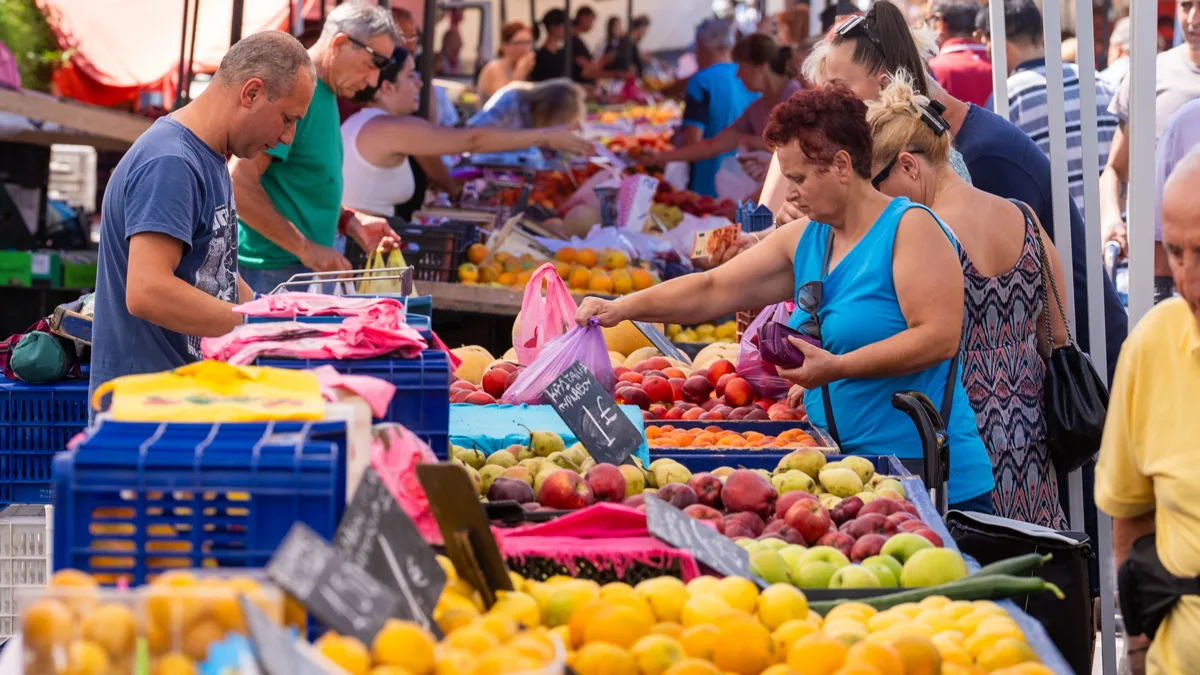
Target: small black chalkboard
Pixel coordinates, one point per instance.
(661, 341)
(378, 536)
(338, 592)
(593, 415)
(275, 649)
(709, 547)
(468, 537)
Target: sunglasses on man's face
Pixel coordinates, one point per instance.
(378, 60)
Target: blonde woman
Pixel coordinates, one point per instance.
(553, 103)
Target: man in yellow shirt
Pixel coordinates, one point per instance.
(1148, 474)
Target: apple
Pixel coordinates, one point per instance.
(696, 389)
(882, 506)
(872, 523)
(853, 576)
(839, 540)
(746, 490)
(635, 500)
(678, 495)
(932, 567)
(810, 519)
(786, 501)
(887, 562)
(847, 509)
(902, 546)
(565, 490)
(769, 566)
(827, 554)
(607, 482)
(494, 380)
(772, 542)
(866, 546)
(901, 516)
(812, 573)
(707, 488)
(748, 518)
(706, 514)
(930, 535)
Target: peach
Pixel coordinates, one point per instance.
(711, 415)
(658, 389)
(696, 389)
(658, 410)
(718, 368)
(694, 413)
(634, 396)
(460, 395)
(782, 416)
(479, 398)
(621, 370)
(677, 387)
(723, 382)
(494, 381)
(738, 392)
(674, 372)
(462, 384)
(630, 376)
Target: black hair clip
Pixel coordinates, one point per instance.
(931, 115)
(857, 24)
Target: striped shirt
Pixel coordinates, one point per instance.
(1028, 111)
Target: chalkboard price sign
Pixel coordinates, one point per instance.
(709, 547)
(593, 415)
(661, 341)
(379, 537)
(277, 651)
(340, 593)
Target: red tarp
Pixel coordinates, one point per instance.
(120, 49)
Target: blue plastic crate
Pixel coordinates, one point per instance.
(136, 499)
(36, 421)
(422, 399)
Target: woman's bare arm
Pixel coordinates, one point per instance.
(410, 135)
(761, 276)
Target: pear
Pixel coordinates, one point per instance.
(561, 460)
(545, 443)
(660, 462)
(533, 465)
(671, 472)
(526, 453)
(577, 453)
(502, 458)
(586, 464)
(635, 479)
(487, 474)
(519, 473)
(469, 456)
(862, 466)
(475, 478)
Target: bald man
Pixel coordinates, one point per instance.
(1147, 458)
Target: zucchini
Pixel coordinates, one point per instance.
(988, 587)
(1015, 566)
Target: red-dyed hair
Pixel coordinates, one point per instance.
(823, 121)
(510, 30)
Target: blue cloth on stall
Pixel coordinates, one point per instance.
(491, 428)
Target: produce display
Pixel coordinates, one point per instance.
(704, 333)
(713, 391)
(667, 436)
(77, 628)
(641, 114)
(609, 272)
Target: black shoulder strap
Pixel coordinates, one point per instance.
(830, 425)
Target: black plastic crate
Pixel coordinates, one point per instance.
(434, 252)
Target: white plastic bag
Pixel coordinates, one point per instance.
(732, 181)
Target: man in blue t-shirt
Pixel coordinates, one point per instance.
(168, 273)
(715, 97)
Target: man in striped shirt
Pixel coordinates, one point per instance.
(1027, 98)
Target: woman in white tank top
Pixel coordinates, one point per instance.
(379, 139)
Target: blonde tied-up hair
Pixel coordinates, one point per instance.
(897, 124)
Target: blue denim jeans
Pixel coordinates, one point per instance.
(265, 280)
(980, 504)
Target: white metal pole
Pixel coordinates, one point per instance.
(1143, 20)
(999, 59)
(814, 17)
(1057, 115)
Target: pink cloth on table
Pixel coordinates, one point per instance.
(376, 392)
(609, 536)
(358, 337)
(286, 305)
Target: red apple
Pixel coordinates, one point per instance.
(707, 488)
(706, 514)
(749, 519)
(696, 389)
(788, 499)
(901, 516)
(736, 530)
(930, 535)
(882, 506)
(810, 519)
(791, 535)
(867, 546)
(607, 483)
(841, 541)
(871, 523)
(718, 368)
(565, 490)
(911, 526)
(738, 392)
(634, 500)
(677, 494)
(847, 509)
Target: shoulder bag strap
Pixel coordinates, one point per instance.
(830, 425)
(1048, 282)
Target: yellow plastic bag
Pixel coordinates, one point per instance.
(212, 391)
(378, 260)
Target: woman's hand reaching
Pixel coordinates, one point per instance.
(819, 368)
(795, 396)
(564, 139)
(605, 311)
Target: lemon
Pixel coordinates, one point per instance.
(618, 625)
(704, 585)
(520, 606)
(601, 658)
(346, 652)
(404, 644)
(703, 609)
(743, 645)
(885, 620)
(666, 596)
(616, 589)
(698, 640)
(780, 603)
(474, 639)
(564, 599)
(786, 635)
(981, 640)
(739, 593)
(1006, 651)
(817, 654)
(453, 661)
(655, 653)
(856, 611)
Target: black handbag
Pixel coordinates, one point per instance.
(1146, 591)
(1074, 398)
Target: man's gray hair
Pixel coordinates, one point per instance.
(360, 21)
(272, 56)
(714, 34)
(1120, 34)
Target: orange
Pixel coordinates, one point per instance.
(468, 272)
(506, 278)
(600, 282)
(698, 641)
(1006, 652)
(512, 265)
(919, 654)
(579, 277)
(692, 667)
(563, 269)
(489, 273)
(615, 259)
(856, 669)
(817, 654)
(565, 254)
(586, 257)
(537, 645)
(504, 660)
(1026, 669)
(172, 600)
(474, 639)
(669, 628)
(476, 253)
(787, 634)
(601, 658)
(80, 590)
(46, 624)
(198, 636)
(113, 627)
(655, 653)
(523, 277)
(452, 661)
(404, 644)
(743, 644)
(641, 279)
(884, 659)
(622, 282)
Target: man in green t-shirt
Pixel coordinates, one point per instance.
(289, 198)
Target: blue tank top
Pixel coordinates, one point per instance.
(859, 307)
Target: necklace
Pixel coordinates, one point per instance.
(939, 193)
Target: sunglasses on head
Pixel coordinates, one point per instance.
(855, 26)
(808, 299)
(887, 170)
(378, 60)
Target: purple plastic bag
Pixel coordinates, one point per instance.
(750, 365)
(581, 343)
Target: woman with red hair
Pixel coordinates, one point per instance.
(876, 280)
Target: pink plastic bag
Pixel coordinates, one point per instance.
(760, 374)
(395, 454)
(543, 318)
(581, 343)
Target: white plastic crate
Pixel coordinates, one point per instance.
(26, 535)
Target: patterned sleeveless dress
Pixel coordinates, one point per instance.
(1003, 374)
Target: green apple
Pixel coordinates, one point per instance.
(812, 574)
(827, 554)
(746, 543)
(791, 553)
(903, 545)
(854, 576)
(933, 567)
(755, 546)
(883, 574)
(888, 562)
(769, 566)
(773, 543)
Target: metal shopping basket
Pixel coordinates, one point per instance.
(344, 282)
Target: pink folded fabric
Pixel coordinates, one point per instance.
(376, 392)
(358, 337)
(286, 305)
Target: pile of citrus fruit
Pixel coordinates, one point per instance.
(607, 271)
(667, 436)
